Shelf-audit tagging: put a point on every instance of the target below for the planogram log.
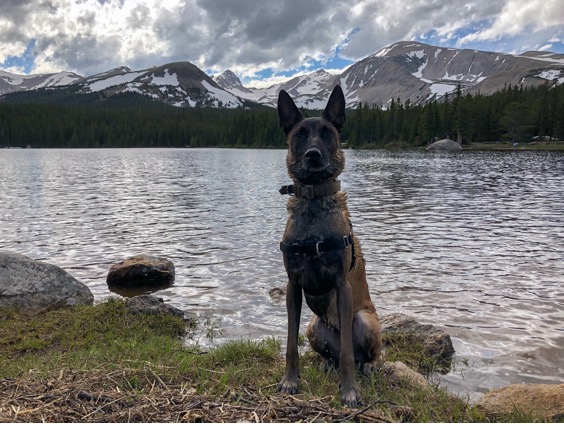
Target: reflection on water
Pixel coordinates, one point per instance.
(471, 242)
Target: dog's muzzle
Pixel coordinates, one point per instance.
(313, 158)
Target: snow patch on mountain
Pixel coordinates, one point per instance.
(102, 84)
(440, 89)
(226, 99)
(420, 54)
(12, 79)
(59, 79)
(552, 74)
(383, 52)
(169, 78)
(464, 78)
(419, 72)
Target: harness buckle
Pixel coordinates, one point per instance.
(308, 192)
(297, 245)
(317, 248)
(346, 241)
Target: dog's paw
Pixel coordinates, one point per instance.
(289, 386)
(369, 368)
(351, 397)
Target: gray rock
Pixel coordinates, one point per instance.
(141, 270)
(148, 304)
(445, 145)
(436, 342)
(27, 283)
(544, 400)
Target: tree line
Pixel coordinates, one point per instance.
(512, 114)
(132, 120)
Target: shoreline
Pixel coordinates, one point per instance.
(107, 363)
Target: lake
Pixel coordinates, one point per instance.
(471, 242)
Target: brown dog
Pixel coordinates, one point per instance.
(321, 255)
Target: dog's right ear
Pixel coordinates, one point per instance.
(288, 113)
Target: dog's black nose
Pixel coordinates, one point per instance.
(313, 153)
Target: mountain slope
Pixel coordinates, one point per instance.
(406, 70)
(416, 72)
(10, 83)
(178, 84)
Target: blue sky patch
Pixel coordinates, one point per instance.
(24, 62)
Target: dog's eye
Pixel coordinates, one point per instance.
(301, 134)
(327, 134)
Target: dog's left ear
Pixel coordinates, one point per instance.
(335, 110)
(288, 113)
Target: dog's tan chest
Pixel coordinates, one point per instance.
(314, 220)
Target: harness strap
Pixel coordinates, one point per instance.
(317, 248)
(321, 246)
(311, 191)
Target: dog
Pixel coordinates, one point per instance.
(322, 257)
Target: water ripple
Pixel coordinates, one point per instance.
(471, 242)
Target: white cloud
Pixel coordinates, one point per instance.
(518, 17)
(249, 36)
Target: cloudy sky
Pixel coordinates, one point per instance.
(260, 40)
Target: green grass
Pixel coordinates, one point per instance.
(501, 145)
(139, 349)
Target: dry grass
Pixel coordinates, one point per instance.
(105, 364)
(97, 397)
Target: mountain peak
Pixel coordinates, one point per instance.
(228, 80)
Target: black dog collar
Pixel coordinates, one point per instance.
(311, 191)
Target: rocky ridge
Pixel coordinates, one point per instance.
(405, 70)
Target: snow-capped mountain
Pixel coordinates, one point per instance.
(309, 91)
(179, 84)
(412, 71)
(10, 83)
(406, 70)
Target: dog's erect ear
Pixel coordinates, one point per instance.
(335, 110)
(288, 113)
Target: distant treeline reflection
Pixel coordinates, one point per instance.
(39, 119)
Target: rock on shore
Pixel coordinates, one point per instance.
(445, 145)
(28, 283)
(437, 343)
(141, 270)
(546, 400)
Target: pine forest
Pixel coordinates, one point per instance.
(45, 119)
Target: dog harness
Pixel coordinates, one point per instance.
(317, 248)
(322, 246)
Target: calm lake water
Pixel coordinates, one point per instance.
(470, 242)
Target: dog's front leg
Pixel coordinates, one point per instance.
(289, 383)
(350, 394)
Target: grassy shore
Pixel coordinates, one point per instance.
(105, 364)
(507, 146)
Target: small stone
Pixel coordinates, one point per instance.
(151, 305)
(398, 372)
(277, 294)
